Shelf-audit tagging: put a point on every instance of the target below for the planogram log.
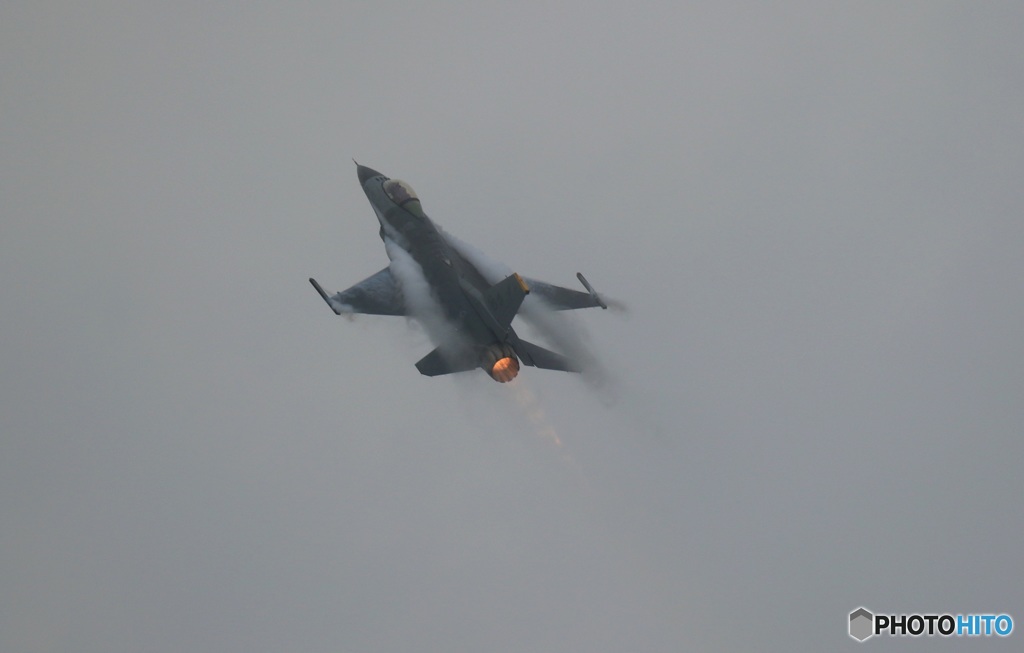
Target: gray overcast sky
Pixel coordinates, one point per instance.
(813, 211)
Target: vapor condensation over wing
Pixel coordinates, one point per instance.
(419, 298)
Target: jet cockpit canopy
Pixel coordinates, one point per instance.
(404, 196)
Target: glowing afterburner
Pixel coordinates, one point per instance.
(505, 369)
(500, 362)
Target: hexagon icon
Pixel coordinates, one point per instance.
(861, 624)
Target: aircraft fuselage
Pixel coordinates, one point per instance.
(450, 277)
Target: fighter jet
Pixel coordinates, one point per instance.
(478, 312)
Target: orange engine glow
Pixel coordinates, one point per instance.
(505, 369)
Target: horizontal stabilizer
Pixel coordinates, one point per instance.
(537, 356)
(439, 362)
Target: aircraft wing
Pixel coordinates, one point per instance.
(489, 272)
(440, 362)
(565, 299)
(378, 294)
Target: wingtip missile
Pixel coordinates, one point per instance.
(324, 295)
(590, 289)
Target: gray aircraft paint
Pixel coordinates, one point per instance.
(460, 299)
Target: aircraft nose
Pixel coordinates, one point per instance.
(366, 173)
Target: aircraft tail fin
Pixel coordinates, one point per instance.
(537, 356)
(505, 297)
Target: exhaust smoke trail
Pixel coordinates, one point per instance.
(530, 404)
(532, 408)
(521, 408)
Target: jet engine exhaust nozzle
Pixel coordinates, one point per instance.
(500, 362)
